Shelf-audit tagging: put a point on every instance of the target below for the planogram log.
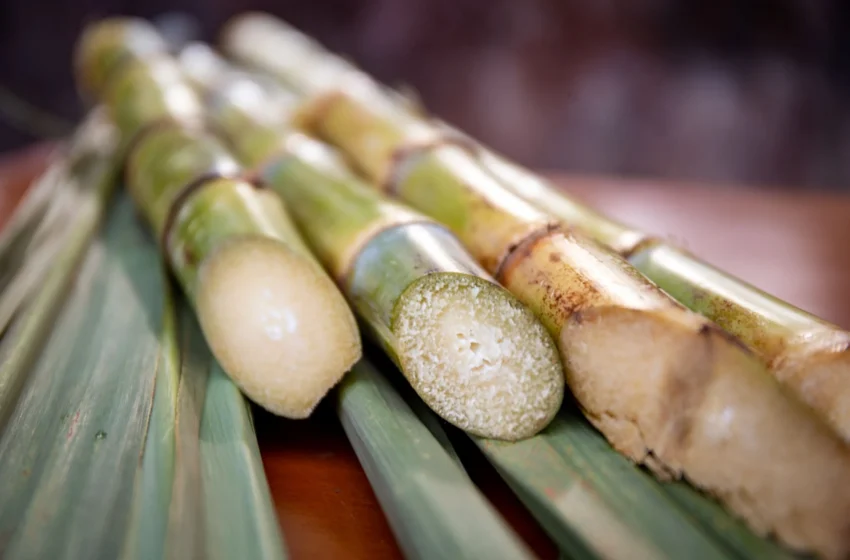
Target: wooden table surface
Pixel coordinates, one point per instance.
(791, 244)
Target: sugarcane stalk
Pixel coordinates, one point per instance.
(275, 322)
(470, 350)
(667, 387)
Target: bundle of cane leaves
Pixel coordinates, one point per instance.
(667, 388)
(471, 351)
(35, 233)
(200, 492)
(273, 319)
(44, 245)
(69, 452)
(808, 355)
(324, 197)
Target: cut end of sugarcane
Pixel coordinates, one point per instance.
(276, 323)
(677, 394)
(822, 379)
(477, 357)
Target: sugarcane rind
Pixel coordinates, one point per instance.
(136, 96)
(107, 44)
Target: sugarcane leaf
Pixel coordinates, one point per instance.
(732, 532)
(86, 188)
(70, 451)
(185, 532)
(154, 477)
(434, 509)
(594, 502)
(239, 514)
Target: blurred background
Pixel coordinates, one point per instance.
(747, 91)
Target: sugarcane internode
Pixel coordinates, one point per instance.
(273, 319)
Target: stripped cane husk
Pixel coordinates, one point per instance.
(273, 319)
(666, 387)
(471, 351)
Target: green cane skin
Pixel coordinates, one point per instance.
(270, 36)
(165, 161)
(106, 44)
(144, 91)
(614, 235)
(370, 243)
(313, 182)
(393, 262)
(218, 212)
(763, 322)
(360, 119)
(222, 211)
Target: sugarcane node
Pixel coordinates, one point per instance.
(403, 156)
(343, 276)
(180, 199)
(154, 126)
(273, 160)
(644, 243)
(521, 250)
(708, 328)
(453, 138)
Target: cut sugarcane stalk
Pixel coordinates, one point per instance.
(474, 354)
(666, 387)
(274, 320)
(808, 355)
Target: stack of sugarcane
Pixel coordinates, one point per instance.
(808, 355)
(464, 281)
(667, 387)
(469, 348)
